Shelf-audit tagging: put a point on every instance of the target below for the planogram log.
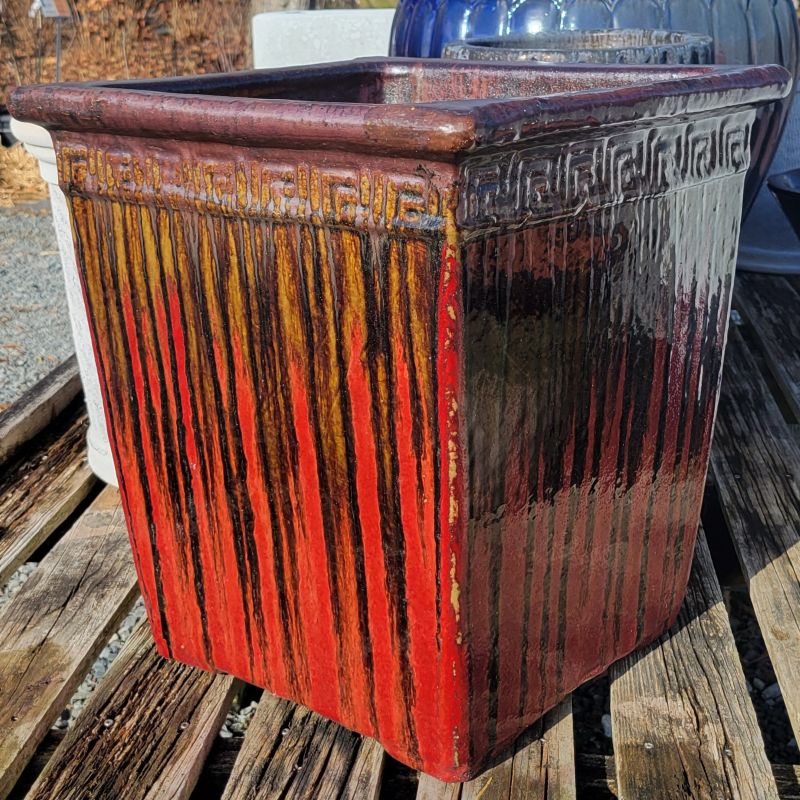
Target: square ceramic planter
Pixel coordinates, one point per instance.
(410, 369)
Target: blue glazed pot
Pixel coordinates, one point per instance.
(744, 32)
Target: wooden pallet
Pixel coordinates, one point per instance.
(683, 722)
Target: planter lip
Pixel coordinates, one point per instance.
(30, 133)
(197, 108)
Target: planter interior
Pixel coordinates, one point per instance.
(410, 386)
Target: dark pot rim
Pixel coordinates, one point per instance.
(232, 107)
(610, 38)
(598, 46)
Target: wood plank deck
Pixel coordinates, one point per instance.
(147, 730)
(769, 304)
(291, 752)
(682, 718)
(38, 493)
(540, 766)
(56, 625)
(756, 464)
(38, 407)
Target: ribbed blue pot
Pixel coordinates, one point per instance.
(744, 32)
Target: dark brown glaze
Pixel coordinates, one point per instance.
(411, 402)
(591, 383)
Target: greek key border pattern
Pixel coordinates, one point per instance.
(538, 183)
(253, 188)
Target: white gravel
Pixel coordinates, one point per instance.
(16, 582)
(238, 719)
(35, 334)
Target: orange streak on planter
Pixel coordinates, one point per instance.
(411, 394)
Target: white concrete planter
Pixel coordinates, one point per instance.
(37, 142)
(291, 38)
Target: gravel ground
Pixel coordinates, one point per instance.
(34, 323)
(15, 582)
(238, 718)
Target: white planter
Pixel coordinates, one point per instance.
(291, 38)
(37, 142)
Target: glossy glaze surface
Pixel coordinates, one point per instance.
(628, 46)
(743, 31)
(411, 413)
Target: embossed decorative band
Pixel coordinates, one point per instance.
(258, 186)
(544, 182)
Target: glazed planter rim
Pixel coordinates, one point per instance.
(197, 108)
(566, 42)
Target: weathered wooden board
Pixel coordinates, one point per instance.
(682, 720)
(55, 626)
(38, 407)
(40, 489)
(292, 753)
(770, 304)
(211, 783)
(756, 464)
(598, 779)
(364, 781)
(431, 789)
(541, 766)
(145, 731)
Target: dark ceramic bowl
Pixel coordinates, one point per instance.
(631, 46)
(786, 188)
(410, 368)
